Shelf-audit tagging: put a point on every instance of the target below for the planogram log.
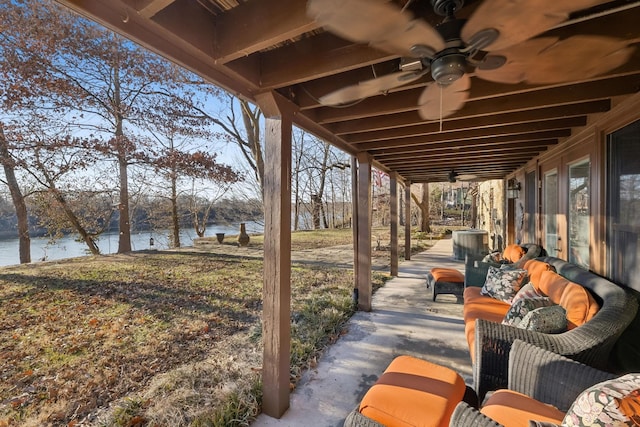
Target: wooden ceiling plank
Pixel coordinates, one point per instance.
(488, 143)
(411, 118)
(571, 93)
(498, 129)
(259, 24)
(417, 157)
(148, 8)
(316, 57)
(470, 135)
(483, 160)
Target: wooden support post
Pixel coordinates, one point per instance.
(407, 220)
(364, 232)
(354, 224)
(393, 211)
(276, 312)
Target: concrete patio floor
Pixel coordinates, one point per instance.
(404, 320)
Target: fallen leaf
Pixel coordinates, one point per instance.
(136, 421)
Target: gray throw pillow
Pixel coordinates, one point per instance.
(548, 320)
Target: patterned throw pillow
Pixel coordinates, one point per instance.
(503, 284)
(609, 403)
(548, 320)
(527, 291)
(521, 306)
(493, 257)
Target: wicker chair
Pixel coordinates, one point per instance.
(590, 343)
(541, 375)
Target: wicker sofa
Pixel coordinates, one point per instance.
(538, 374)
(476, 267)
(490, 341)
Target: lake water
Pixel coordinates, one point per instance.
(68, 247)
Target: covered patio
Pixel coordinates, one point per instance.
(279, 55)
(404, 321)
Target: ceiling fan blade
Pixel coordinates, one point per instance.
(466, 177)
(369, 88)
(380, 23)
(517, 21)
(438, 101)
(549, 60)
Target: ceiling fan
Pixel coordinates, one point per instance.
(455, 176)
(496, 43)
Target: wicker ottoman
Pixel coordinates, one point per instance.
(445, 281)
(412, 392)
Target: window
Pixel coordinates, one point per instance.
(551, 213)
(530, 188)
(623, 206)
(579, 214)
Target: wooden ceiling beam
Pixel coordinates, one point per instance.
(549, 96)
(474, 135)
(488, 143)
(463, 168)
(149, 8)
(448, 161)
(259, 24)
(417, 157)
(434, 129)
(411, 118)
(315, 57)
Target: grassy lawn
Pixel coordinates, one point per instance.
(156, 338)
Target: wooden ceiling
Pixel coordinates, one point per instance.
(255, 46)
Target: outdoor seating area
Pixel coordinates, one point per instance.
(522, 376)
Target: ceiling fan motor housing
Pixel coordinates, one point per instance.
(446, 7)
(448, 67)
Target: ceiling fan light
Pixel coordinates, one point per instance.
(448, 68)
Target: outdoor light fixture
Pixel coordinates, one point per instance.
(513, 189)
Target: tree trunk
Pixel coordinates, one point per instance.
(251, 120)
(175, 220)
(19, 204)
(316, 204)
(423, 205)
(71, 216)
(124, 222)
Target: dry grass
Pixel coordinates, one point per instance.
(152, 339)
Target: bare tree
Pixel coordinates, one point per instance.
(423, 204)
(9, 165)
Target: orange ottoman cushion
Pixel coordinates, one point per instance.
(447, 275)
(413, 392)
(513, 409)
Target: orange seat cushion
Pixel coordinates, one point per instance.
(447, 275)
(513, 409)
(413, 392)
(513, 252)
(535, 269)
(575, 299)
(478, 306)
